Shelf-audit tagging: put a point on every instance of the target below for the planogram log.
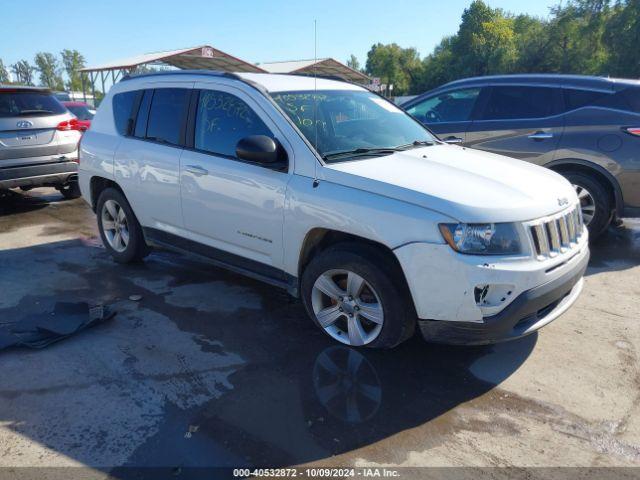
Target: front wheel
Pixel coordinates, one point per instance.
(595, 202)
(354, 295)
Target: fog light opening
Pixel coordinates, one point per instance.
(480, 293)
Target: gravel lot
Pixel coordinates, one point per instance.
(213, 369)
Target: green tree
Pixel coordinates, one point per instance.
(437, 67)
(4, 73)
(23, 72)
(394, 66)
(485, 42)
(621, 37)
(50, 71)
(533, 45)
(353, 62)
(73, 61)
(576, 35)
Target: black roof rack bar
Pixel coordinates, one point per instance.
(209, 73)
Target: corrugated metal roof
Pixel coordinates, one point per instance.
(289, 65)
(203, 56)
(321, 66)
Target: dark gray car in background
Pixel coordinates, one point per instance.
(38, 141)
(586, 128)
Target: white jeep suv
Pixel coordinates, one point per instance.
(332, 192)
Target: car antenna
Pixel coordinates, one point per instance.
(316, 182)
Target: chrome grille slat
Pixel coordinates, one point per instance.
(556, 234)
(564, 231)
(572, 227)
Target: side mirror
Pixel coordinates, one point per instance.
(258, 149)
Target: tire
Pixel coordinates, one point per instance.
(70, 190)
(601, 200)
(383, 294)
(135, 248)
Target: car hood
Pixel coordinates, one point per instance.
(464, 184)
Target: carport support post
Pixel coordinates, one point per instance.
(93, 90)
(102, 79)
(84, 87)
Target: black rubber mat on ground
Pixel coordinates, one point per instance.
(42, 329)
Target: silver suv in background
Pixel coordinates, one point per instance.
(38, 141)
(585, 128)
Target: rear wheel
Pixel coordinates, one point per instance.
(69, 190)
(595, 202)
(119, 229)
(353, 294)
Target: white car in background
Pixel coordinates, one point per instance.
(332, 192)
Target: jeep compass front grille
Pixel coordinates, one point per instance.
(557, 234)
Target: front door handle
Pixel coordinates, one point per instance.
(453, 139)
(197, 170)
(540, 136)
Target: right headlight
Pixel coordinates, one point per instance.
(482, 238)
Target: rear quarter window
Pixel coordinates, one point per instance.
(627, 99)
(632, 98)
(576, 98)
(123, 110)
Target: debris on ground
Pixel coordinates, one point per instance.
(135, 298)
(42, 329)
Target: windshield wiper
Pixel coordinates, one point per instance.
(416, 143)
(360, 151)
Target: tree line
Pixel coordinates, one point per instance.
(591, 37)
(61, 73)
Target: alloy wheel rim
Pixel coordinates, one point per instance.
(115, 225)
(587, 203)
(347, 307)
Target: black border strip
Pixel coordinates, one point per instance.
(221, 258)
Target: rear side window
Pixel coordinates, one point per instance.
(143, 114)
(123, 110)
(515, 102)
(453, 106)
(28, 104)
(166, 114)
(222, 120)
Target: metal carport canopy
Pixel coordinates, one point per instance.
(201, 57)
(321, 66)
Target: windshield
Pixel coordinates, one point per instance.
(343, 123)
(80, 111)
(26, 103)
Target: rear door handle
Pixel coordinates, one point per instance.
(453, 139)
(540, 136)
(197, 170)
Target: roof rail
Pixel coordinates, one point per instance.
(209, 73)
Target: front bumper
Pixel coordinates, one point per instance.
(524, 293)
(56, 173)
(529, 311)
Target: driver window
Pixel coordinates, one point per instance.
(222, 120)
(453, 106)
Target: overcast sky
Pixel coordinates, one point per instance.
(254, 31)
